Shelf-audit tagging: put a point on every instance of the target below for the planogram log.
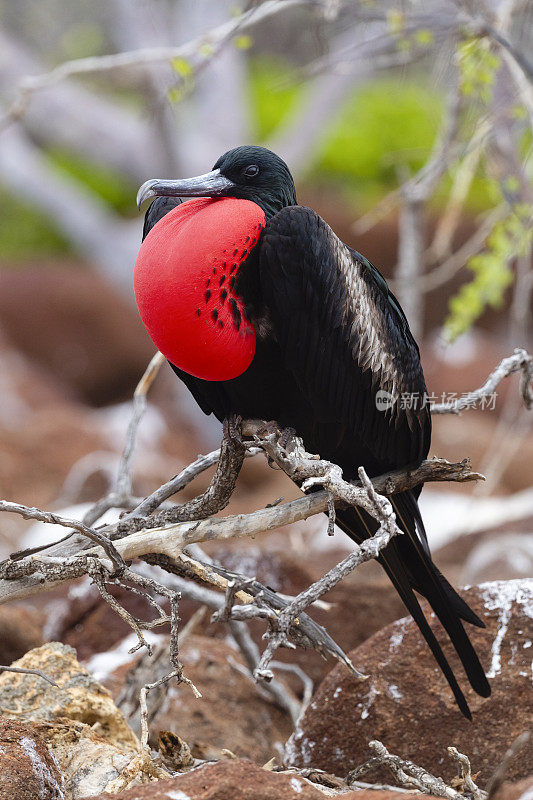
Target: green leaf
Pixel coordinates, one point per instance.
(243, 42)
(478, 65)
(424, 37)
(509, 239)
(182, 67)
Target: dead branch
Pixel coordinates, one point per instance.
(521, 361)
(103, 557)
(414, 777)
(25, 671)
(199, 49)
(55, 519)
(23, 577)
(216, 496)
(381, 510)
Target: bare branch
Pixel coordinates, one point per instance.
(406, 773)
(465, 781)
(199, 49)
(170, 540)
(520, 361)
(216, 496)
(124, 481)
(25, 671)
(55, 519)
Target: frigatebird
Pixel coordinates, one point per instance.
(263, 312)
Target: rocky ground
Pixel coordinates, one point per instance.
(79, 738)
(62, 428)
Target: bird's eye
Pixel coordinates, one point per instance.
(251, 171)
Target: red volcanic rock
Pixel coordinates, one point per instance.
(37, 453)
(20, 631)
(27, 768)
(73, 323)
(406, 702)
(241, 780)
(230, 714)
(521, 790)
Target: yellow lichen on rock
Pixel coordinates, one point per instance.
(77, 696)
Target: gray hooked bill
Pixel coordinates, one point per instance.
(212, 184)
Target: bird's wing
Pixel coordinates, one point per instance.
(344, 336)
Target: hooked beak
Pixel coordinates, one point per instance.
(212, 184)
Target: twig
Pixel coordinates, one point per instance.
(38, 672)
(405, 772)
(520, 361)
(55, 519)
(464, 779)
(199, 49)
(124, 481)
(279, 625)
(274, 690)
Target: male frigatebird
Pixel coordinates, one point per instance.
(264, 313)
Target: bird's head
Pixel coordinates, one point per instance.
(248, 173)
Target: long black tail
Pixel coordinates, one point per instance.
(407, 562)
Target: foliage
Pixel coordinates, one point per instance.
(478, 65)
(272, 95)
(509, 239)
(108, 184)
(385, 127)
(26, 232)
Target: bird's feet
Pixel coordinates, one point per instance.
(272, 427)
(269, 428)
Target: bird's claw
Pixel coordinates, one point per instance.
(272, 428)
(269, 428)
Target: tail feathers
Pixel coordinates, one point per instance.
(428, 581)
(408, 564)
(456, 601)
(409, 517)
(398, 578)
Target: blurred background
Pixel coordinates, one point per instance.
(407, 126)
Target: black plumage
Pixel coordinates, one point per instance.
(330, 336)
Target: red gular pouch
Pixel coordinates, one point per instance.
(184, 284)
